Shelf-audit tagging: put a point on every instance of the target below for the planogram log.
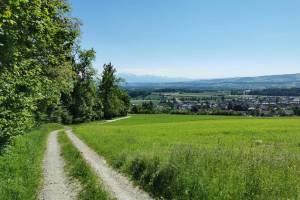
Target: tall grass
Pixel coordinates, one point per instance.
(218, 173)
(180, 157)
(78, 169)
(21, 165)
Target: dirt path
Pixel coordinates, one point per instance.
(117, 119)
(56, 185)
(119, 186)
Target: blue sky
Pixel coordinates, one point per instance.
(193, 38)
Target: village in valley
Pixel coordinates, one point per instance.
(218, 103)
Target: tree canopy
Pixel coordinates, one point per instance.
(44, 74)
(115, 100)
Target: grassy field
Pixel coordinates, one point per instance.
(21, 165)
(203, 157)
(77, 168)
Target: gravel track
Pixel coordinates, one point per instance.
(117, 119)
(56, 185)
(119, 186)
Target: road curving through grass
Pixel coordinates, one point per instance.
(21, 164)
(56, 184)
(77, 168)
(119, 186)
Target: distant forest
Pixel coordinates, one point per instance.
(277, 92)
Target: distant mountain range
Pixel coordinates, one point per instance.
(132, 78)
(259, 82)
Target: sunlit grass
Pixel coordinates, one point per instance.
(21, 165)
(210, 157)
(78, 169)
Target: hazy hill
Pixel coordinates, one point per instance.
(259, 82)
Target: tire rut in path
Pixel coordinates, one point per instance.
(119, 186)
(56, 185)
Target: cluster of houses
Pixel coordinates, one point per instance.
(242, 104)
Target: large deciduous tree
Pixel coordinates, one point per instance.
(84, 95)
(44, 76)
(36, 44)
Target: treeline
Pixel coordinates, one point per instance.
(141, 93)
(145, 108)
(44, 73)
(277, 92)
(185, 90)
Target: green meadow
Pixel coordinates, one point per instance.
(203, 157)
(21, 164)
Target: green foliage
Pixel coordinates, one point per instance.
(84, 96)
(36, 43)
(276, 92)
(147, 107)
(203, 157)
(79, 169)
(44, 76)
(21, 165)
(115, 101)
(296, 111)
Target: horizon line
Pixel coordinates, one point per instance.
(212, 78)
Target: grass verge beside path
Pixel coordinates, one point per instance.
(21, 164)
(77, 168)
(203, 157)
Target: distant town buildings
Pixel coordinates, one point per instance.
(239, 104)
